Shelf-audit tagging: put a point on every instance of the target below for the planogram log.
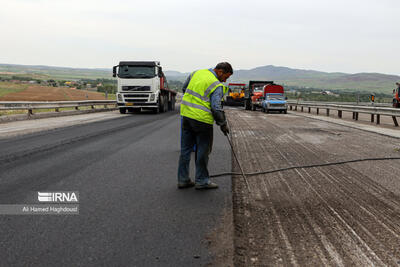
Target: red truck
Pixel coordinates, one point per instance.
(396, 96)
(253, 92)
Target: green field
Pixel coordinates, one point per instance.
(56, 73)
(7, 88)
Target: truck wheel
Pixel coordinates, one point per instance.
(166, 103)
(161, 104)
(173, 103)
(247, 104)
(122, 110)
(170, 104)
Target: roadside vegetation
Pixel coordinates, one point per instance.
(12, 84)
(8, 87)
(318, 94)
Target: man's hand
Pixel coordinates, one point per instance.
(225, 129)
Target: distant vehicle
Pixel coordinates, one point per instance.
(235, 95)
(142, 85)
(274, 99)
(252, 94)
(396, 96)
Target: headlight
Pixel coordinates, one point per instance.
(120, 98)
(152, 97)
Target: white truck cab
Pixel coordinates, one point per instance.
(142, 85)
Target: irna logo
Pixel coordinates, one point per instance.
(57, 197)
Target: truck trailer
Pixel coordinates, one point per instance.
(142, 85)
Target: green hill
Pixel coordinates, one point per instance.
(371, 82)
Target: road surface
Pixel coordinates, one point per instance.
(131, 213)
(340, 215)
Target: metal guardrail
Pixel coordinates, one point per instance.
(355, 109)
(344, 103)
(56, 105)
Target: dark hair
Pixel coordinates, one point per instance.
(225, 67)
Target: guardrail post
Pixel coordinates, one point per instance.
(302, 108)
(295, 107)
(339, 113)
(356, 116)
(372, 117)
(327, 112)
(290, 107)
(76, 108)
(309, 110)
(378, 118)
(57, 110)
(317, 110)
(395, 121)
(92, 106)
(30, 112)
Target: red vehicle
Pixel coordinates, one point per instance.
(274, 99)
(253, 93)
(396, 98)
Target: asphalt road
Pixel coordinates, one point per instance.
(131, 213)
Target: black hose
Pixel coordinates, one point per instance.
(303, 167)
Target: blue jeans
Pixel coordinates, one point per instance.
(201, 134)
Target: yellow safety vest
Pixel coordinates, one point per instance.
(196, 100)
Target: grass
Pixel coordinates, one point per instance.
(7, 88)
(57, 73)
(110, 96)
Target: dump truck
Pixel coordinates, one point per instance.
(142, 85)
(252, 94)
(274, 99)
(235, 96)
(396, 96)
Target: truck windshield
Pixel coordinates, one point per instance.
(138, 72)
(236, 88)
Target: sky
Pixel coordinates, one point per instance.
(349, 36)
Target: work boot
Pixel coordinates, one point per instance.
(210, 185)
(185, 185)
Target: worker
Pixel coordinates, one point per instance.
(201, 105)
